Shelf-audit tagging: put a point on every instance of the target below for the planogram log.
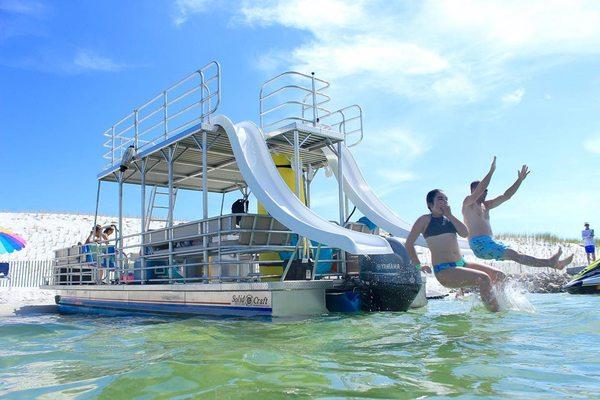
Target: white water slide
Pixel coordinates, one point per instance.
(363, 197)
(259, 171)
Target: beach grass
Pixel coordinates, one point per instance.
(547, 237)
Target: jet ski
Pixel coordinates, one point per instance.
(587, 281)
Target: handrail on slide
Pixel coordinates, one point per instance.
(258, 170)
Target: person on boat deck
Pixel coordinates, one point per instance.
(95, 235)
(589, 242)
(476, 213)
(239, 206)
(109, 230)
(439, 228)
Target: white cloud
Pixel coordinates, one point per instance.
(442, 51)
(31, 8)
(312, 15)
(397, 142)
(21, 18)
(396, 176)
(460, 50)
(514, 97)
(367, 54)
(592, 144)
(90, 60)
(395, 163)
(185, 8)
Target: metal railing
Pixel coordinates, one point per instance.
(27, 273)
(296, 97)
(348, 121)
(179, 254)
(287, 97)
(188, 102)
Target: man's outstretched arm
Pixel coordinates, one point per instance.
(521, 175)
(472, 198)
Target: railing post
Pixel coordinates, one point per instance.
(202, 96)
(135, 122)
(314, 96)
(166, 114)
(112, 149)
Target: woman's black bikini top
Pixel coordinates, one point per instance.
(438, 226)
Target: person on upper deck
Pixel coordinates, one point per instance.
(439, 228)
(476, 213)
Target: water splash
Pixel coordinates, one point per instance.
(512, 296)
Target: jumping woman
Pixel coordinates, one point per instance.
(439, 228)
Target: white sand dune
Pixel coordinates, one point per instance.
(46, 232)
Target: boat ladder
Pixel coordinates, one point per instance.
(156, 208)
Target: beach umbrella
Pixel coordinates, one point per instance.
(10, 241)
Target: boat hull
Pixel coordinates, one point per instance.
(264, 299)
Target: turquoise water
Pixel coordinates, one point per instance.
(448, 349)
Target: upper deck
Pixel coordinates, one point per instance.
(174, 123)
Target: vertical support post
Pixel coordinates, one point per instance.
(205, 202)
(143, 163)
(120, 235)
(297, 163)
(97, 203)
(341, 197)
(298, 181)
(136, 133)
(316, 262)
(165, 114)
(170, 213)
(341, 184)
(314, 99)
(222, 202)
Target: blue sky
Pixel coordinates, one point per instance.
(444, 87)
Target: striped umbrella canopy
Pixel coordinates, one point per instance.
(10, 241)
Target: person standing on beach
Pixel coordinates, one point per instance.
(476, 213)
(589, 243)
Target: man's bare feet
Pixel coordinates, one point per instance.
(563, 263)
(553, 261)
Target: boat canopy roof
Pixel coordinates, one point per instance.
(223, 174)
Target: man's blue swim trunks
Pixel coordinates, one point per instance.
(487, 248)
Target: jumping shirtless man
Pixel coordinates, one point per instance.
(476, 213)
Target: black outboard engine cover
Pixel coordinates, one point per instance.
(388, 282)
